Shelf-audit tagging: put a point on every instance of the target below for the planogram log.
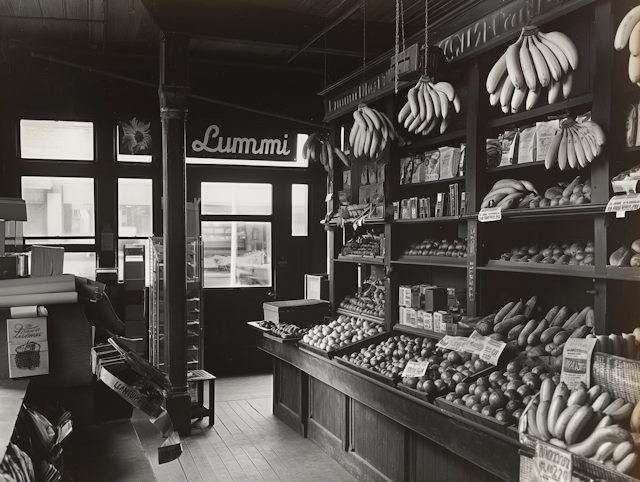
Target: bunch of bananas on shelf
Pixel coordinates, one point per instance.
(535, 61)
(317, 147)
(428, 105)
(587, 422)
(370, 132)
(629, 33)
(575, 144)
(510, 193)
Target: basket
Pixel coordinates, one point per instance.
(619, 376)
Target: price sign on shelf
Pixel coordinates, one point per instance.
(492, 351)
(623, 203)
(415, 368)
(487, 215)
(552, 464)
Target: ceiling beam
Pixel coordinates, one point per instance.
(270, 45)
(58, 19)
(357, 6)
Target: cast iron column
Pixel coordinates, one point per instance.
(174, 81)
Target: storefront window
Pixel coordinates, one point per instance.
(236, 198)
(299, 210)
(56, 140)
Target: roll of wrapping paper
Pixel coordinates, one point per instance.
(38, 299)
(43, 284)
(27, 311)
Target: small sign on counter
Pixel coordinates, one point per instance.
(488, 215)
(415, 368)
(576, 364)
(552, 464)
(622, 204)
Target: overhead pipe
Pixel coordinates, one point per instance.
(154, 86)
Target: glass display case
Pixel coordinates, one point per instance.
(195, 337)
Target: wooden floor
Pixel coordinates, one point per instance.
(247, 443)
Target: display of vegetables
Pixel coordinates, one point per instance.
(428, 105)
(573, 254)
(342, 331)
(433, 247)
(628, 32)
(535, 61)
(370, 132)
(575, 144)
(589, 422)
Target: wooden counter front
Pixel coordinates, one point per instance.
(380, 433)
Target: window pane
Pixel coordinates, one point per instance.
(299, 210)
(236, 198)
(136, 242)
(57, 140)
(59, 206)
(60, 241)
(79, 264)
(129, 157)
(135, 213)
(236, 254)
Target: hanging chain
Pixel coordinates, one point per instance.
(426, 35)
(404, 47)
(399, 22)
(364, 49)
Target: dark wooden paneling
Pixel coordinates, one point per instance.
(289, 393)
(327, 407)
(378, 440)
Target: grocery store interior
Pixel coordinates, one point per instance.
(364, 240)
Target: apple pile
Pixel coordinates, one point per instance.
(370, 301)
(432, 247)
(446, 368)
(504, 393)
(340, 332)
(575, 254)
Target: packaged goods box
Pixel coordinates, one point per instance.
(301, 313)
(316, 286)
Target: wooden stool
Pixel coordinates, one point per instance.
(198, 408)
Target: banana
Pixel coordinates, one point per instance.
(375, 142)
(532, 98)
(578, 396)
(558, 53)
(412, 97)
(571, 150)
(323, 155)
(541, 419)
(509, 199)
(561, 391)
(341, 155)
(634, 69)
(457, 105)
(528, 70)
(528, 185)
(531, 421)
(623, 413)
(444, 125)
(517, 185)
(558, 404)
(444, 103)
(494, 99)
(593, 393)
(627, 464)
(552, 152)
(367, 142)
(504, 190)
(555, 69)
(513, 64)
(428, 100)
(555, 87)
(564, 419)
(404, 112)
(360, 119)
(329, 154)
(391, 130)
(505, 96)
(517, 100)
(635, 419)
(591, 140)
(630, 346)
(596, 130)
(410, 118)
(613, 434)
(448, 90)
(422, 107)
(425, 123)
(371, 114)
(586, 145)
(605, 451)
(614, 406)
(416, 122)
(623, 33)
(547, 388)
(435, 100)
(384, 128)
(562, 151)
(541, 67)
(496, 73)
(634, 41)
(567, 84)
(567, 46)
(577, 423)
(602, 401)
(432, 126)
(580, 154)
(606, 421)
(622, 450)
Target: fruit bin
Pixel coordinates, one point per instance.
(379, 377)
(345, 349)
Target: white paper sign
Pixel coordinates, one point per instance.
(576, 363)
(487, 215)
(415, 368)
(552, 464)
(623, 203)
(627, 187)
(492, 351)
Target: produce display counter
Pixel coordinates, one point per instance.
(379, 432)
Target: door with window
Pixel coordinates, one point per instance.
(258, 244)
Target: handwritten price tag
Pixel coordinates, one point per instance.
(552, 464)
(623, 204)
(487, 215)
(492, 351)
(415, 368)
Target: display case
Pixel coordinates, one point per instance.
(157, 320)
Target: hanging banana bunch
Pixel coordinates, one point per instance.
(370, 132)
(317, 147)
(575, 144)
(428, 105)
(535, 61)
(629, 33)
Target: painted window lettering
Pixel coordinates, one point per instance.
(240, 145)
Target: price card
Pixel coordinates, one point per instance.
(487, 215)
(415, 368)
(576, 363)
(492, 350)
(627, 187)
(623, 203)
(457, 343)
(329, 197)
(476, 343)
(552, 464)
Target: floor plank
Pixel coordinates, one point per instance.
(246, 444)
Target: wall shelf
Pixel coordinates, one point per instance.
(431, 261)
(434, 141)
(539, 268)
(437, 181)
(418, 331)
(359, 260)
